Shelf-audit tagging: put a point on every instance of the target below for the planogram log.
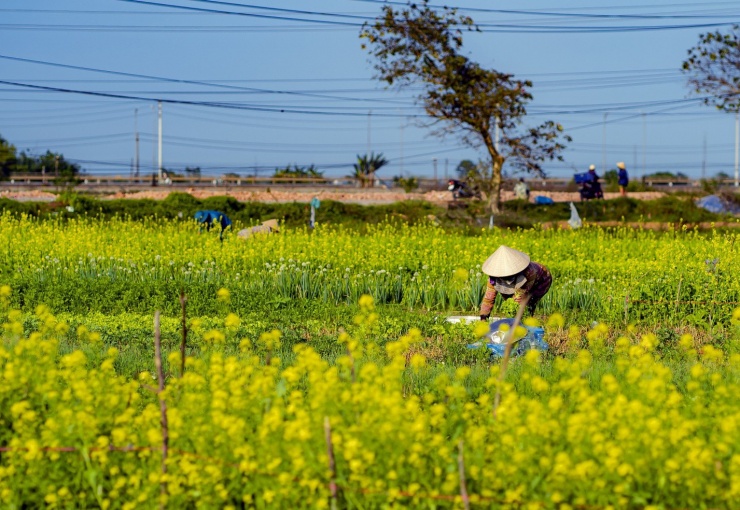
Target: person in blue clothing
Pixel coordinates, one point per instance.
(590, 185)
(623, 179)
(211, 218)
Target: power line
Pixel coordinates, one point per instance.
(232, 106)
(556, 13)
(175, 80)
(236, 13)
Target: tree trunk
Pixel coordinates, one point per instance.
(494, 199)
(497, 162)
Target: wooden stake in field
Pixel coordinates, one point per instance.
(332, 465)
(678, 294)
(183, 301)
(162, 404)
(510, 341)
(626, 308)
(461, 472)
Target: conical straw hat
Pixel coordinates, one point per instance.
(273, 224)
(505, 262)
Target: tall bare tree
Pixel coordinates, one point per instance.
(713, 68)
(419, 44)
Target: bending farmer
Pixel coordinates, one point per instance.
(211, 218)
(512, 274)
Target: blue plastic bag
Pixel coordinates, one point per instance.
(539, 199)
(534, 339)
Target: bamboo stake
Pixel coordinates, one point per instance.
(332, 465)
(678, 294)
(162, 404)
(461, 471)
(352, 363)
(510, 341)
(183, 301)
(626, 308)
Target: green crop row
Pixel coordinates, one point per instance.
(615, 275)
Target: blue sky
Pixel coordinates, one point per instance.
(262, 85)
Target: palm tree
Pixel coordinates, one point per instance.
(366, 167)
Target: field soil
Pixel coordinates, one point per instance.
(650, 225)
(355, 196)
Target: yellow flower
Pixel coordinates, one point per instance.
(481, 328)
(271, 340)
(686, 342)
(223, 295)
(461, 373)
(367, 302)
(232, 321)
(736, 317)
(532, 322)
(214, 336)
(418, 361)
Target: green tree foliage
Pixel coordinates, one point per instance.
(419, 44)
(51, 163)
(465, 169)
(408, 184)
(611, 177)
(298, 171)
(8, 159)
(366, 166)
(713, 68)
(666, 175)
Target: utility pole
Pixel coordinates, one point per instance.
(369, 114)
(159, 142)
(603, 147)
(644, 145)
(434, 162)
(737, 143)
(56, 165)
(154, 145)
(447, 162)
(634, 156)
(704, 159)
(402, 147)
(136, 156)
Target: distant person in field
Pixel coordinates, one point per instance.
(623, 179)
(267, 227)
(591, 188)
(512, 274)
(210, 218)
(592, 173)
(521, 190)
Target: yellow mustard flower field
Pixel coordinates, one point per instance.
(153, 365)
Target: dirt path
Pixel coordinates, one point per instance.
(366, 197)
(356, 196)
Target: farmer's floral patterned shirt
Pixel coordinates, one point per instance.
(538, 283)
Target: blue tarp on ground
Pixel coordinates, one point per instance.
(718, 205)
(534, 339)
(539, 199)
